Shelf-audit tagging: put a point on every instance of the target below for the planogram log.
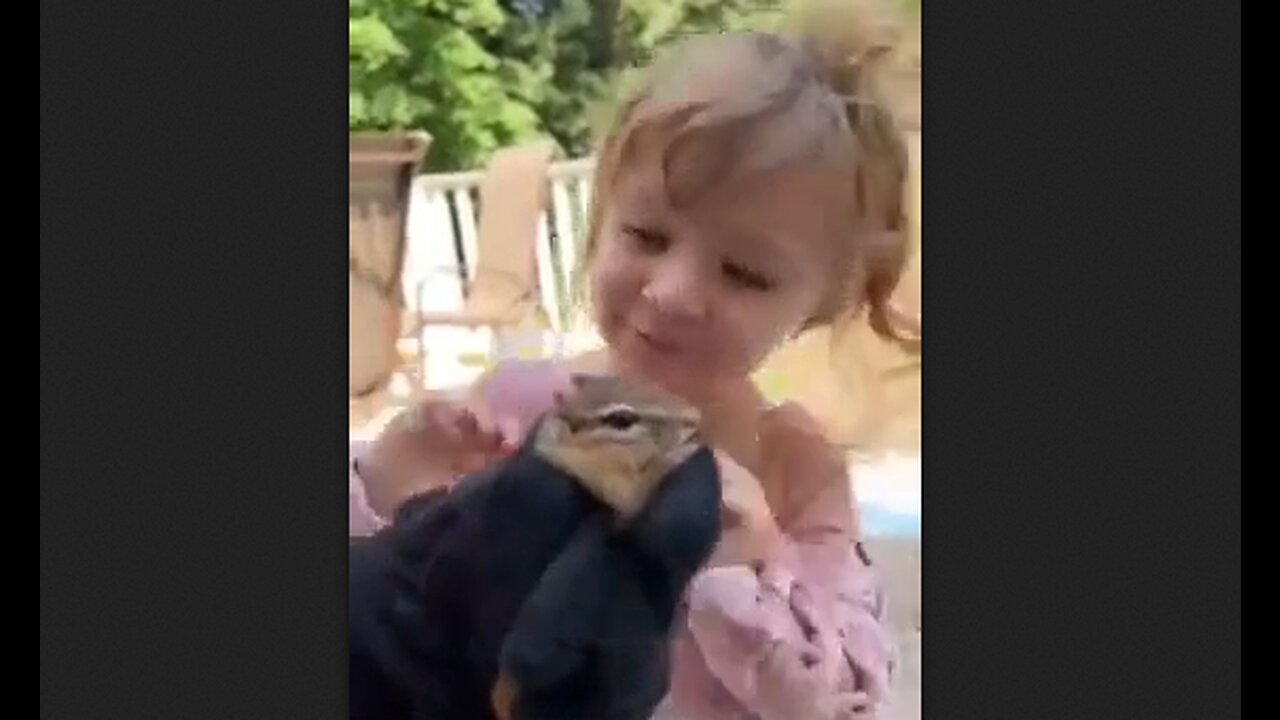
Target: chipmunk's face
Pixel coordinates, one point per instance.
(608, 431)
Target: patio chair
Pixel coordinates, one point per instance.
(503, 291)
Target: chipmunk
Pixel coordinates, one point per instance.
(591, 640)
(545, 585)
(618, 439)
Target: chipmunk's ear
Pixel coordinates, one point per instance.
(567, 414)
(596, 383)
(562, 418)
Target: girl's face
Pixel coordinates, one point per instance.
(696, 296)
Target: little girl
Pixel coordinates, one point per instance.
(749, 190)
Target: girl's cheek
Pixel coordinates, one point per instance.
(750, 336)
(604, 304)
(614, 286)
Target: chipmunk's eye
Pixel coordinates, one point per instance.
(620, 419)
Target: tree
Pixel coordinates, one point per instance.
(424, 64)
(480, 74)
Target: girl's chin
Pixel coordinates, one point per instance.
(634, 355)
(674, 377)
(674, 369)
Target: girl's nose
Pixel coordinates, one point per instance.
(676, 289)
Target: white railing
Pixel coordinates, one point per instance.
(442, 245)
(440, 258)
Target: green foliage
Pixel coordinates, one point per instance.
(480, 74)
(424, 64)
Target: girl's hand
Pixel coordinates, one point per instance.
(749, 531)
(803, 462)
(428, 446)
(444, 430)
(742, 496)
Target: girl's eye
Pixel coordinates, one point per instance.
(746, 278)
(648, 240)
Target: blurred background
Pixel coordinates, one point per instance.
(473, 124)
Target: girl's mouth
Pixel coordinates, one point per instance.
(659, 346)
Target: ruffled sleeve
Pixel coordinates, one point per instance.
(800, 634)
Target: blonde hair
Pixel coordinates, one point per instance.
(829, 76)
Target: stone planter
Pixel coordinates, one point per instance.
(381, 170)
